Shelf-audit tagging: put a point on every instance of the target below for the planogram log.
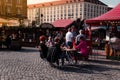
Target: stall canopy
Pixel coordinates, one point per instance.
(112, 16)
(62, 23)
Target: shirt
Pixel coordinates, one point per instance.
(82, 47)
(69, 37)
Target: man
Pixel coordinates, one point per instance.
(81, 33)
(69, 37)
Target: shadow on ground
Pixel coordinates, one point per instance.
(24, 49)
(106, 62)
(89, 69)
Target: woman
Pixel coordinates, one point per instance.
(42, 47)
(49, 43)
(82, 48)
(58, 49)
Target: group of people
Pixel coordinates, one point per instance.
(53, 49)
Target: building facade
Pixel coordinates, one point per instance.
(65, 9)
(13, 9)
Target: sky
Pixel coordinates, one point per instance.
(110, 3)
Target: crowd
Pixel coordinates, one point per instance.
(54, 48)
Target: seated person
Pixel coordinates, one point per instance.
(77, 39)
(49, 43)
(8, 41)
(58, 49)
(55, 52)
(82, 48)
(42, 47)
(115, 42)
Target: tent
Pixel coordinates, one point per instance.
(110, 17)
(62, 23)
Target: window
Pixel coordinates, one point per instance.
(7, 9)
(18, 11)
(19, 1)
(8, 1)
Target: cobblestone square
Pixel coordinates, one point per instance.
(27, 65)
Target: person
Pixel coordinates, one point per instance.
(68, 38)
(54, 52)
(73, 31)
(8, 41)
(58, 49)
(49, 43)
(115, 42)
(82, 48)
(42, 47)
(77, 39)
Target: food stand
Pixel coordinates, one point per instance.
(111, 20)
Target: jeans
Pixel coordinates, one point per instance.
(69, 44)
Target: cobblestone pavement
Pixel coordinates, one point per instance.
(26, 65)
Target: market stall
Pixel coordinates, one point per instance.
(111, 20)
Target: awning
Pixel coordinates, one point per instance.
(62, 23)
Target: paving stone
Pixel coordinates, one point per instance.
(27, 65)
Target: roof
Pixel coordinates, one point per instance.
(62, 23)
(59, 2)
(110, 16)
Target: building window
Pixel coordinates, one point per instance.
(18, 1)
(8, 9)
(7, 1)
(18, 11)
